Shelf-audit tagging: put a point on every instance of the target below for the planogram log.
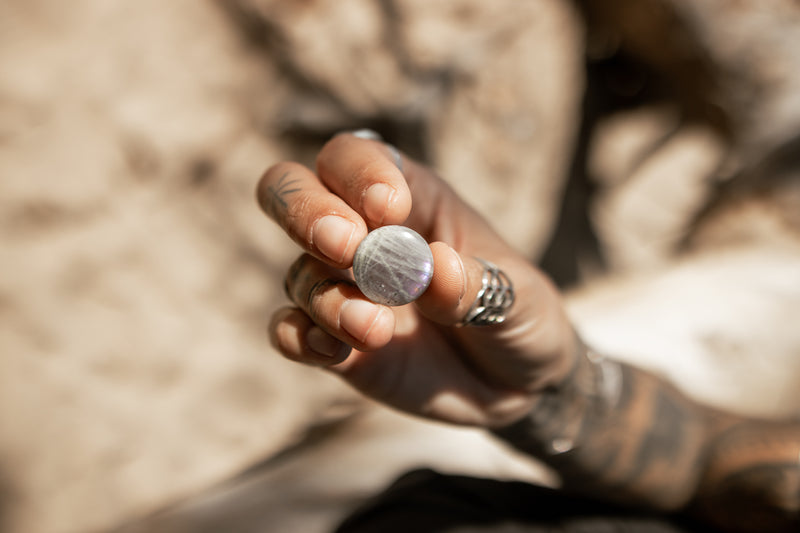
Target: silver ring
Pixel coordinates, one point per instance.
(368, 134)
(495, 298)
(398, 159)
(372, 135)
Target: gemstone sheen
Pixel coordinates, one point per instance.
(393, 265)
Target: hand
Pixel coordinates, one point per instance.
(413, 357)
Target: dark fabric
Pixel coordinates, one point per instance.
(424, 501)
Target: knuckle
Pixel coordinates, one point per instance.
(293, 277)
(278, 186)
(314, 287)
(302, 204)
(318, 301)
(323, 296)
(368, 171)
(329, 149)
(316, 294)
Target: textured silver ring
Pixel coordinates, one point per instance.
(372, 135)
(495, 297)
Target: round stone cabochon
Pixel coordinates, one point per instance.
(393, 265)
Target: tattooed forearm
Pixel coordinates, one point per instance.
(752, 479)
(619, 433)
(613, 430)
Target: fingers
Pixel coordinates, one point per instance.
(524, 352)
(454, 286)
(332, 314)
(336, 306)
(321, 222)
(296, 336)
(360, 186)
(442, 300)
(365, 174)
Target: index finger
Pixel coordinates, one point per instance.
(364, 173)
(321, 222)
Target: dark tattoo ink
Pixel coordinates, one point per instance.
(279, 192)
(663, 439)
(293, 277)
(322, 285)
(318, 288)
(752, 481)
(655, 447)
(634, 447)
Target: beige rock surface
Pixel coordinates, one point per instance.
(138, 273)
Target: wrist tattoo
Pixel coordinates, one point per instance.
(621, 434)
(615, 431)
(752, 481)
(593, 388)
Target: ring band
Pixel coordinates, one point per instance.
(372, 135)
(396, 157)
(495, 298)
(368, 134)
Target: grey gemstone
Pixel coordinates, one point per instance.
(393, 265)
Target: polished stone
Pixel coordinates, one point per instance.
(393, 265)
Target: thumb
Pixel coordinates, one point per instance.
(458, 283)
(531, 348)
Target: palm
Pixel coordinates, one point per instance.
(423, 364)
(434, 370)
(414, 359)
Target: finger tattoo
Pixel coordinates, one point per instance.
(293, 276)
(278, 192)
(323, 285)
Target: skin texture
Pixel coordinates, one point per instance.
(612, 431)
(642, 442)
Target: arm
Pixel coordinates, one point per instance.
(609, 429)
(617, 432)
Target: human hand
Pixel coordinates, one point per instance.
(415, 357)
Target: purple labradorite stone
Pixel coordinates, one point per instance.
(393, 265)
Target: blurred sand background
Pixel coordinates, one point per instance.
(644, 152)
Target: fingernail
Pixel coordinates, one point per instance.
(323, 344)
(332, 235)
(358, 317)
(377, 199)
